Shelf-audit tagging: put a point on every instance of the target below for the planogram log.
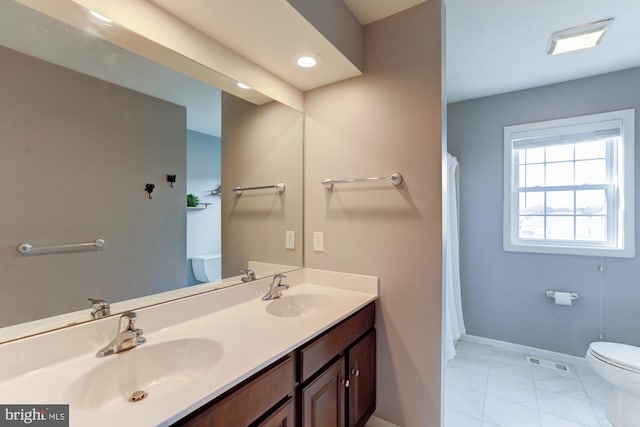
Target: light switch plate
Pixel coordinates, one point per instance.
(290, 239)
(318, 241)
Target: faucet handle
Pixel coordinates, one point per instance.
(97, 301)
(129, 315)
(130, 318)
(100, 308)
(277, 282)
(98, 304)
(249, 275)
(278, 278)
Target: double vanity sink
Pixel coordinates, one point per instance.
(196, 349)
(157, 369)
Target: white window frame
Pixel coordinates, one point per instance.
(623, 242)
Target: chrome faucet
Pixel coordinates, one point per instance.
(276, 288)
(127, 337)
(249, 275)
(100, 308)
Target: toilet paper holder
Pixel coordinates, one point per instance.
(552, 294)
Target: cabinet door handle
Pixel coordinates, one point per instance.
(346, 383)
(355, 372)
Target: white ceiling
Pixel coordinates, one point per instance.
(493, 46)
(272, 34)
(498, 46)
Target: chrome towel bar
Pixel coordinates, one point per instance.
(396, 179)
(27, 248)
(279, 186)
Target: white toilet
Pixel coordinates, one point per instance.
(207, 268)
(619, 364)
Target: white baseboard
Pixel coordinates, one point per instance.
(379, 422)
(525, 349)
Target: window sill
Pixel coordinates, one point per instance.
(570, 250)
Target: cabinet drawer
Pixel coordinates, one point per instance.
(283, 417)
(247, 403)
(324, 348)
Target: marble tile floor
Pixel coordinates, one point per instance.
(492, 387)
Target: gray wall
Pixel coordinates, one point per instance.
(388, 120)
(261, 145)
(75, 155)
(503, 292)
(203, 175)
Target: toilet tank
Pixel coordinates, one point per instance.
(207, 268)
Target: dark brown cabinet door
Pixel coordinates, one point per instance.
(362, 378)
(283, 417)
(323, 400)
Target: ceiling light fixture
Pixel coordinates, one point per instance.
(100, 17)
(579, 37)
(242, 86)
(307, 61)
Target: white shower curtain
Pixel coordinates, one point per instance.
(454, 322)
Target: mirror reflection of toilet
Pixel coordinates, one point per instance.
(619, 364)
(207, 268)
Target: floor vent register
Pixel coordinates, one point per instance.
(549, 364)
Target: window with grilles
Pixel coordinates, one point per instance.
(569, 186)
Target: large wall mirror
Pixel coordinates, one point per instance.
(91, 136)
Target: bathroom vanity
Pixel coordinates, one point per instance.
(223, 358)
(329, 381)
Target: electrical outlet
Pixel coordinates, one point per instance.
(318, 241)
(290, 239)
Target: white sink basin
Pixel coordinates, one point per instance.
(301, 305)
(155, 369)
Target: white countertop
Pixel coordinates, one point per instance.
(249, 336)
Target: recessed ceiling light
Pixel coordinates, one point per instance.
(578, 37)
(242, 85)
(100, 17)
(307, 61)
